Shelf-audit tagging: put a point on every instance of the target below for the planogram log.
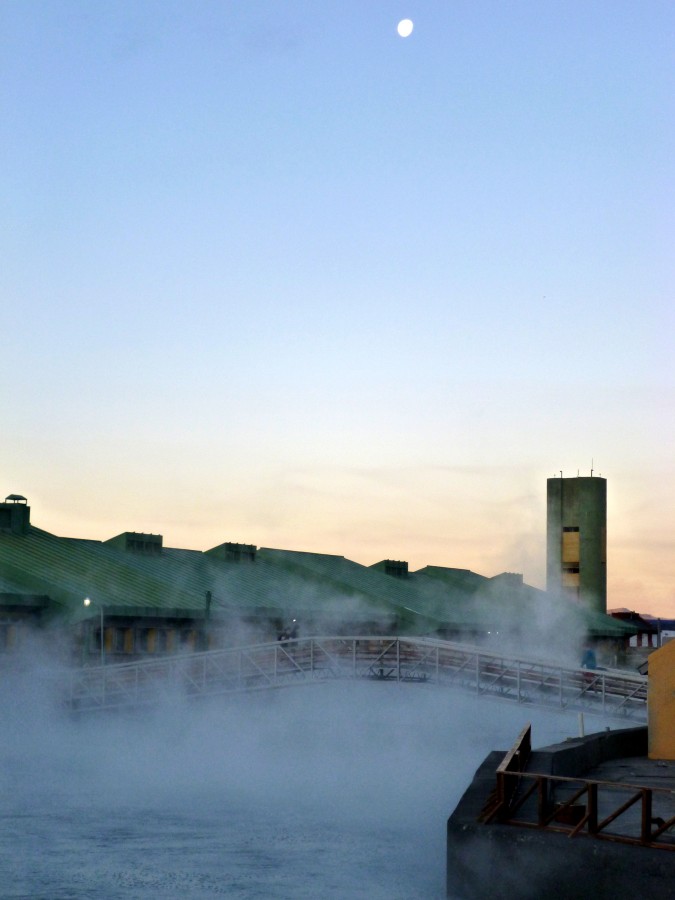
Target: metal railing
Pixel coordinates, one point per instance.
(316, 659)
(579, 806)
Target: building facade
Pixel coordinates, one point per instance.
(576, 539)
(132, 596)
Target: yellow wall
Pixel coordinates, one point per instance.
(661, 702)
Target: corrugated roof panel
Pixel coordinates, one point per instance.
(278, 582)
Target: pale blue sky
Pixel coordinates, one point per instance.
(271, 273)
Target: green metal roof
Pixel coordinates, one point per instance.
(471, 602)
(173, 583)
(347, 587)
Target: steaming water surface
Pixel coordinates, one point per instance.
(333, 791)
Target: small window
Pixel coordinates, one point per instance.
(124, 640)
(7, 636)
(146, 640)
(188, 639)
(570, 547)
(570, 577)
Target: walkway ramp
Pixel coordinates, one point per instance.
(313, 660)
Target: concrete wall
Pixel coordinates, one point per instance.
(578, 503)
(487, 862)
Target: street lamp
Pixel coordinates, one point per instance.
(87, 603)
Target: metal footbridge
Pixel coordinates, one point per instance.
(316, 660)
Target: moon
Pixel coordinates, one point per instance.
(405, 27)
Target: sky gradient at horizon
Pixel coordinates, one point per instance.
(272, 274)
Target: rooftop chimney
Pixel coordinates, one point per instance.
(14, 514)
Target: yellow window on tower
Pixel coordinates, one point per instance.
(570, 545)
(570, 577)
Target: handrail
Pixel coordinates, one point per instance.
(510, 803)
(401, 659)
(571, 818)
(514, 762)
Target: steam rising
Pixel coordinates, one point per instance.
(337, 790)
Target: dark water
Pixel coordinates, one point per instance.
(159, 853)
(332, 791)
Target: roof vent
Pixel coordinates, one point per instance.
(138, 542)
(234, 552)
(510, 579)
(397, 568)
(14, 514)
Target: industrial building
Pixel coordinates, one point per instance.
(146, 598)
(650, 633)
(576, 539)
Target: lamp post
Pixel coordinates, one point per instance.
(207, 617)
(87, 603)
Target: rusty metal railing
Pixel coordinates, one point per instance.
(579, 806)
(513, 764)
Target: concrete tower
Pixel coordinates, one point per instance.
(576, 539)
